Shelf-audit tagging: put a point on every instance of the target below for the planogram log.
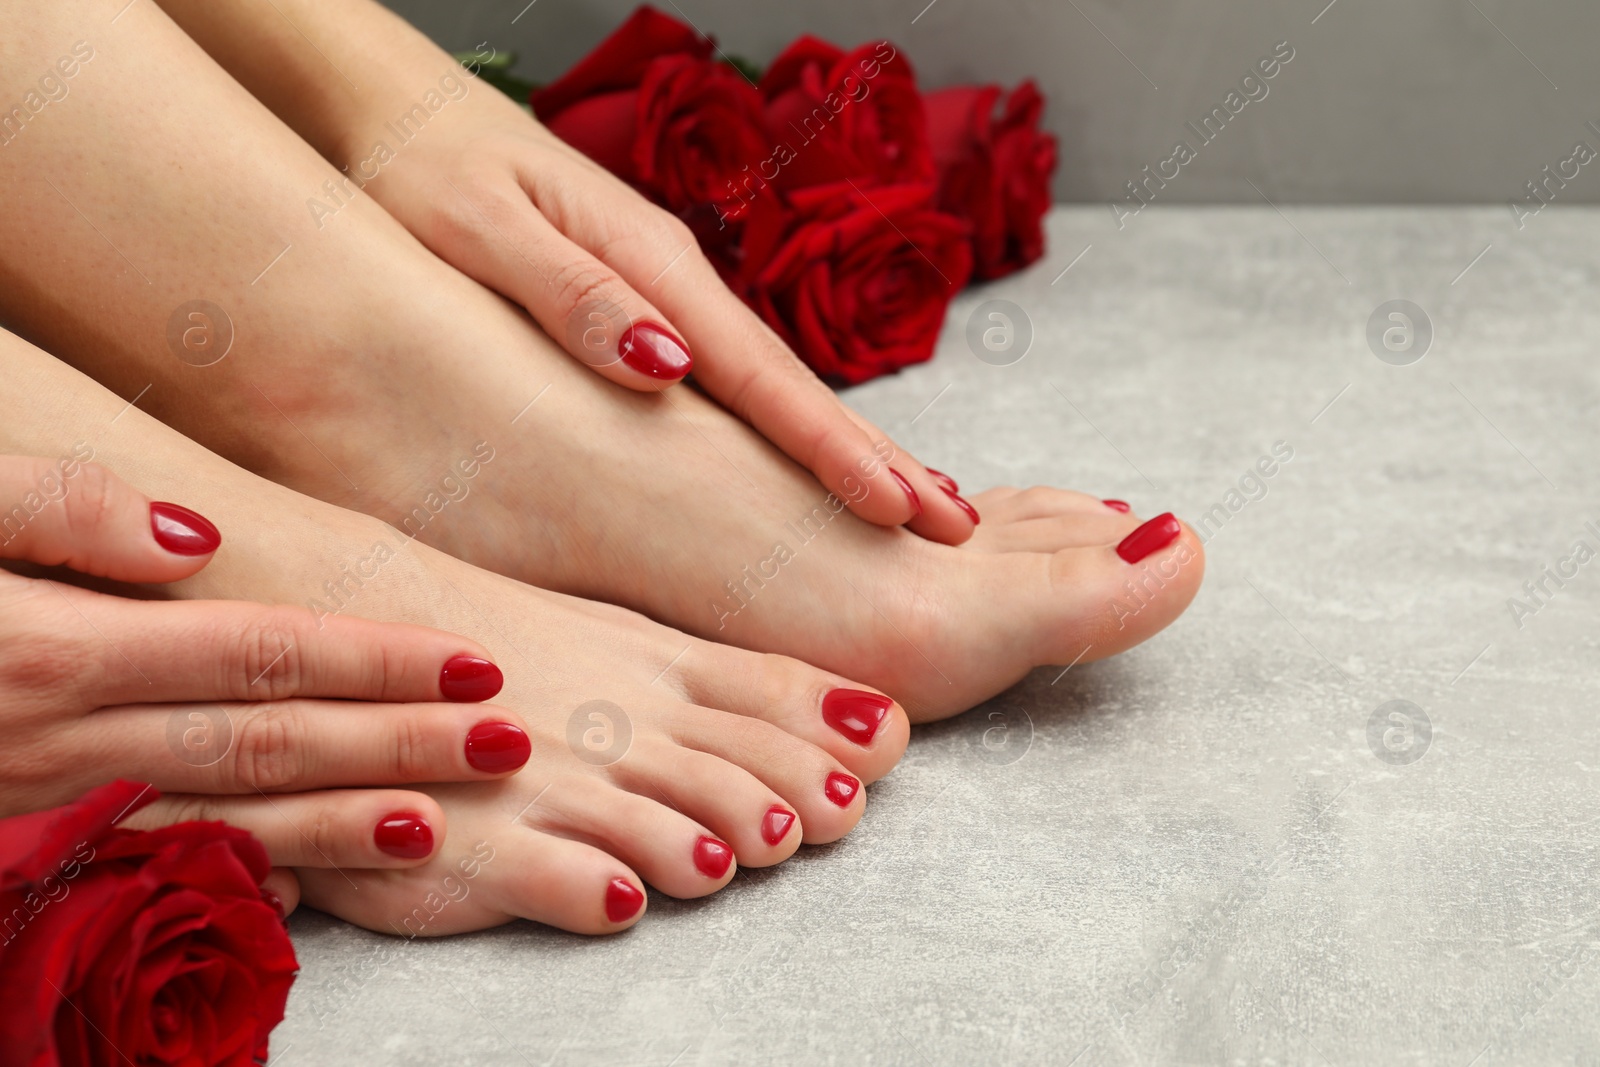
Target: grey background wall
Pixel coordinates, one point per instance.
(1398, 101)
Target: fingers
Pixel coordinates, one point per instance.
(298, 745)
(334, 828)
(231, 651)
(503, 240)
(80, 515)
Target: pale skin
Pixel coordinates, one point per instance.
(720, 737)
(364, 369)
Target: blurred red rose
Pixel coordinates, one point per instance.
(857, 280)
(834, 115)
(652, 107)
(994, 172)
(124, 946)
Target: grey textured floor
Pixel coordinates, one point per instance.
(1193, 853)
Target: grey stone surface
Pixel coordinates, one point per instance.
(1192, 853)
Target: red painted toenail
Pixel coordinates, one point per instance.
(468, 679)
(855, 713)
(623, 900)
(841, 788)
(775, 824)
(1117, 505)
(652, 351)
(497, 747)
(711, 857)
(405, 834)
(972, 512)
(944, 480)
(1153, 536)
(182, 532)
(911, 494)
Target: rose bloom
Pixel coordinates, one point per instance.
(834, 115)
(994, 171)
(124, 946)
(857, 280)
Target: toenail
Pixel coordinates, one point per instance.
(944, 480)
(1153, 536)
(712, 857)
(855, 713)
(841, 788)
(623, 900)
(972, 512)
(911, 494)
(405, 834)
(469, 680)
(654, 352)
(1117, 505)
(775, 824)
(497, 747)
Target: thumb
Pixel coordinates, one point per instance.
(80, 515)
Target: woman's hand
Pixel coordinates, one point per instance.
(250, 714)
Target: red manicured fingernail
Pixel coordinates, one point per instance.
(623, 900)
(972, 512)
(650, 350)
(1153, 536)
(911, 494)
(775, 824)
(182, 532)
(1117, 505)
(841, 788)
(405, 834)
(944, 480)
(469, 680)
(855, 713)
(497, 747)
(711, 857)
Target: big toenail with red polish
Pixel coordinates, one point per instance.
(654, 352)
(972, 512)
(1117, 505)
(712, 857)
(775, 824)
(623, 900)
(468, 679)
(944, 480)
(1153, 536)
(183, 532)
(855, 713)
(911, 494)
(841, 788)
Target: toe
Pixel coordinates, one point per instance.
(1076, 529)
(1040, 502)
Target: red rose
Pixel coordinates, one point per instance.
(858, 280)
(833, 115)
(649, 105)
(995, 173)
(122, 946)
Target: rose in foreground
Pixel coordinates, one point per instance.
(994, 171)
(127, 946)
(859, 280)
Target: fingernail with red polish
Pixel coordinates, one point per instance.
(623, 900)
(497, 747)
(712, 857)
(1153, 536)
(405, 834)
(182, 532)
(855, 713)
(469, 680)
(841, 788)
(654, 352)
(911, 494)
(775, 824)
(944, 480)
(972, 512)
(1117, 505)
